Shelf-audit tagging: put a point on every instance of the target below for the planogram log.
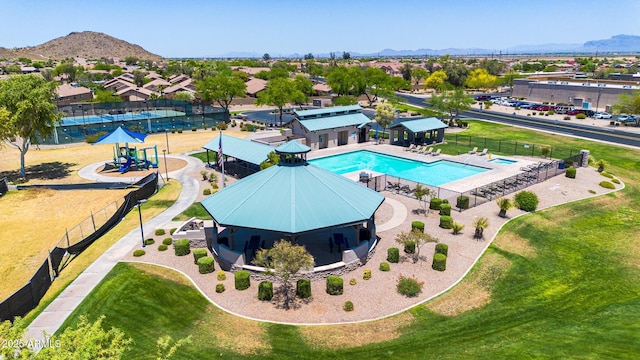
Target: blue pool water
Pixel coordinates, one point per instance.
(434, 174)
(502, 161)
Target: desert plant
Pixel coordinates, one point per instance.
(367, 274)
(480, 224)
(303, 288)
(422, 194)
(446, 222)
(413, 242)
(160, 232)
(462, 202)
(393, 255)
(181, 247)
(221, 275)
(220, 288)
(581, 116)
(445, 209)
(384, 266)
(442, 249)
(457, 227)
(205, 265)
(348, 306)
(353, 281)
(139, 252)
(167, 241)
(265, 291)
(417, 225)
(439, 262)
(607, 185)
(162, 247)
(198, 253)
(601, 164)
(409, 247)
(545, 150)
(570, 173)
(205, 175)
(242, 279)
(526, 200)
(206, 191)
(504, 204)
(434, 203)
(334, 285)
(606, 174)
(149, 241)
(409, 286)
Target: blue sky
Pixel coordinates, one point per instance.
(189, 28)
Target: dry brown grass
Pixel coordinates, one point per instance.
(513, 243)
(474, 292)
(234, 333)
(354, 335)
(163, 272)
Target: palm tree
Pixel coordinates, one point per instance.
(480, 224)
(504, 204)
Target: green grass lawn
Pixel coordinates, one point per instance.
(196, 209)
(203, 156)
(575, 293)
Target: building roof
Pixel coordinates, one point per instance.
(333, 122)
(327, 111)
(421, 125)
(65, 90)
(255, 85)
(293, 199)
(292, 147)
(249, 151)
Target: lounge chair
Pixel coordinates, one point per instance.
(484, 152)
(437, 152)
(411, 147)
(428, 152)
(475, 150)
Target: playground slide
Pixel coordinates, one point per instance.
(126, 166)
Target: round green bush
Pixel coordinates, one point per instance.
(410, 248)
(303, 288)
(162, 247)
(265, 291)
(581, 116)
(526, 200)
(139, 253)
(219, 288)
(172, 230)
(149, 241)
(393, 255)
(439, 262)
(181, 247)
(205, 265)
(198, 253)
(334, 285)
(348, 306)
(607, 185)
(606, 174)
(367, 274)
(462, 202)
(160, 232)
(222, 276)
(446, 222)
(434, 203)
(442, 249)
(615, 181)
(242, 279)
(570, 173)
(409, 286)
(445, 209)
(206, 191)
(384, 266)
(417, 225)
(167, 241)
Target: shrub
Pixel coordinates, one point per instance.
(409, 286)
(439, 262)
(592, 192)
(384, 266)
(615, 181)
(581, 116)
(221, 126)
(219, 288)
(198, 253)
(367, 274)
(180, 130)
(446, 222)
(162, 247)
(445, 201)
(606, 174)
(526, 200)
(442, 249)
(445, 209)
(570, 173)
(265, 290)
(149, 241)
(206, 191)
(167, 241)
(242, 279)
(410, 247)
(535, 113)
(139, 253)
(160, 232)
(353, 281)
(457, 227)
(303, 288)
(194, 128)
(348, 306)
(393, 255)
(206, 265)
(551, 112)
(462, 202)
(417, 225)
(607, 185)
(434, 203)
(172, 230)
(567, 118)
(334, 285)
(181, 247)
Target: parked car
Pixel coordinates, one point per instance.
(623, 118)
(483, 97)
(602, 115)
(543, 108)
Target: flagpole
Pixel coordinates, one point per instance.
(221, 159)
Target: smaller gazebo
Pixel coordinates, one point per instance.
(418, 132)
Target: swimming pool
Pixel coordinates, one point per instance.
(502, 161)
(435, 174)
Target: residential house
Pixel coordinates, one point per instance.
(254, 86)
(69, 94)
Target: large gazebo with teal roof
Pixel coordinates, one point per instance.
(328, 213)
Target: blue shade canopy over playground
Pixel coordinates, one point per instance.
(121, 136)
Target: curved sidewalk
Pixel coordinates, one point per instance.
(50, 320)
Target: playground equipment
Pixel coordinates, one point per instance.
(126, 157)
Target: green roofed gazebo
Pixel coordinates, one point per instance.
(417, 132)
(310, 206)
(242, 157)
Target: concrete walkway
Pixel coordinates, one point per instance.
(50, 320)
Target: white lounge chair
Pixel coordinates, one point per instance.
(411, 147)
(427, 152)
(475, 150)
(437, 152)
(484, 152)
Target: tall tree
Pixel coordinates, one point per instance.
(377, 83)
(222, 88)
(285, 260)
(279, 93)
(66, 68)
(346, 55)
(266, 57)
(385, 112)
(417, 238)
(436, 80)
(629, 104)
(346, 80)
(138, 78)
(480, 79)
(418, 74)
(452, 102)
(29, 101)
(456, 74)
(405, 70)
(305, 86)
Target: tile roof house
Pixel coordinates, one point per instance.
(68, 94)
(254, 86)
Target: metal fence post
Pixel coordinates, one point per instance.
(93, 221)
